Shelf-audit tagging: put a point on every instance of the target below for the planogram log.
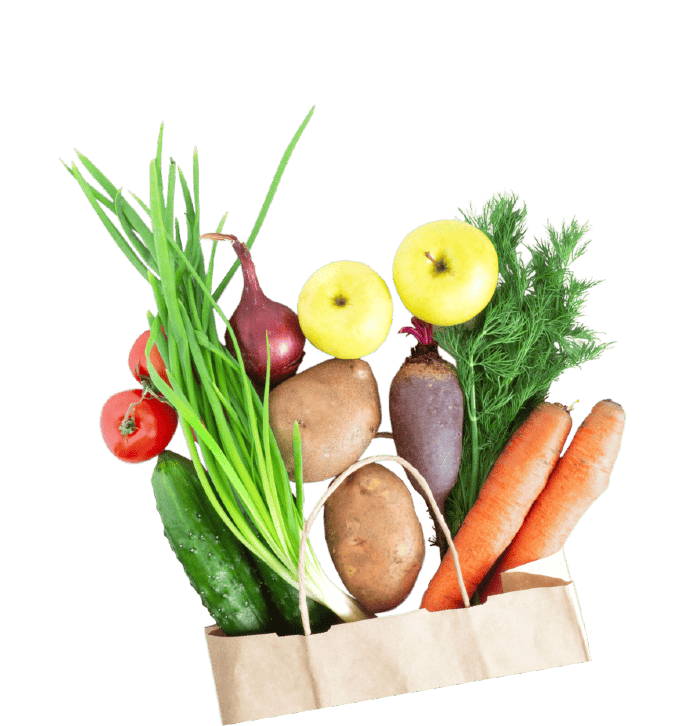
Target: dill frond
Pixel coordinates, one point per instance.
(528, 335)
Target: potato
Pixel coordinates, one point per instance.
(338, 409)
(374, 537)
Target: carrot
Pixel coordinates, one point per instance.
(580, 476)
(516, 479)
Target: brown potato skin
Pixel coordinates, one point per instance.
(338, 409)
(374, 537)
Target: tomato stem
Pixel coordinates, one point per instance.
(128, 425)
(150, 390)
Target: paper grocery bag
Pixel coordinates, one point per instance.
(534, 624)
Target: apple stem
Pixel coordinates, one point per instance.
(439, 266)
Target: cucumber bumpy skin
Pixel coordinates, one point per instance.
(218, 566)
(283, 600)
(285, 610)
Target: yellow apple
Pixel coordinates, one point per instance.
(446, 272)
(345, 309)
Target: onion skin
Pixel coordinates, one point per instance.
(256, 314)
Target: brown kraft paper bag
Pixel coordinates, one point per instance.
(534, 624)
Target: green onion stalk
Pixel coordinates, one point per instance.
(224, 421)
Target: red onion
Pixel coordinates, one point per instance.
(256, 314)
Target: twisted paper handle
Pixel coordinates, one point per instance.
(303, 605)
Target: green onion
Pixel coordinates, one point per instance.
(236, 457)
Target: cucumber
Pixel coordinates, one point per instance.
(217, 564)
(285, 601)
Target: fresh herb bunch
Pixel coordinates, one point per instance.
(527, 336)
(224, 421)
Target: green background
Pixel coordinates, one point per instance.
(420, 109)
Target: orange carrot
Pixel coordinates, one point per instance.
(516, 479)
(580, 476)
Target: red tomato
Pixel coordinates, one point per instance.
(150, 426)
(137, 359)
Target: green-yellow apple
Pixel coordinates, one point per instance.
(345, 309)
(446, 272)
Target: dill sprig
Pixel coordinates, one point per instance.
(526, 337)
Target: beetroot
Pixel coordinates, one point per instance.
(426, 415)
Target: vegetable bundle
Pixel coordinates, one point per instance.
(239, 465)
(579, 477)
(531, 500)
(508, 356)
(515, 481)
(480, 431)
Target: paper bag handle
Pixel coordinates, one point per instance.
(303, 605)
